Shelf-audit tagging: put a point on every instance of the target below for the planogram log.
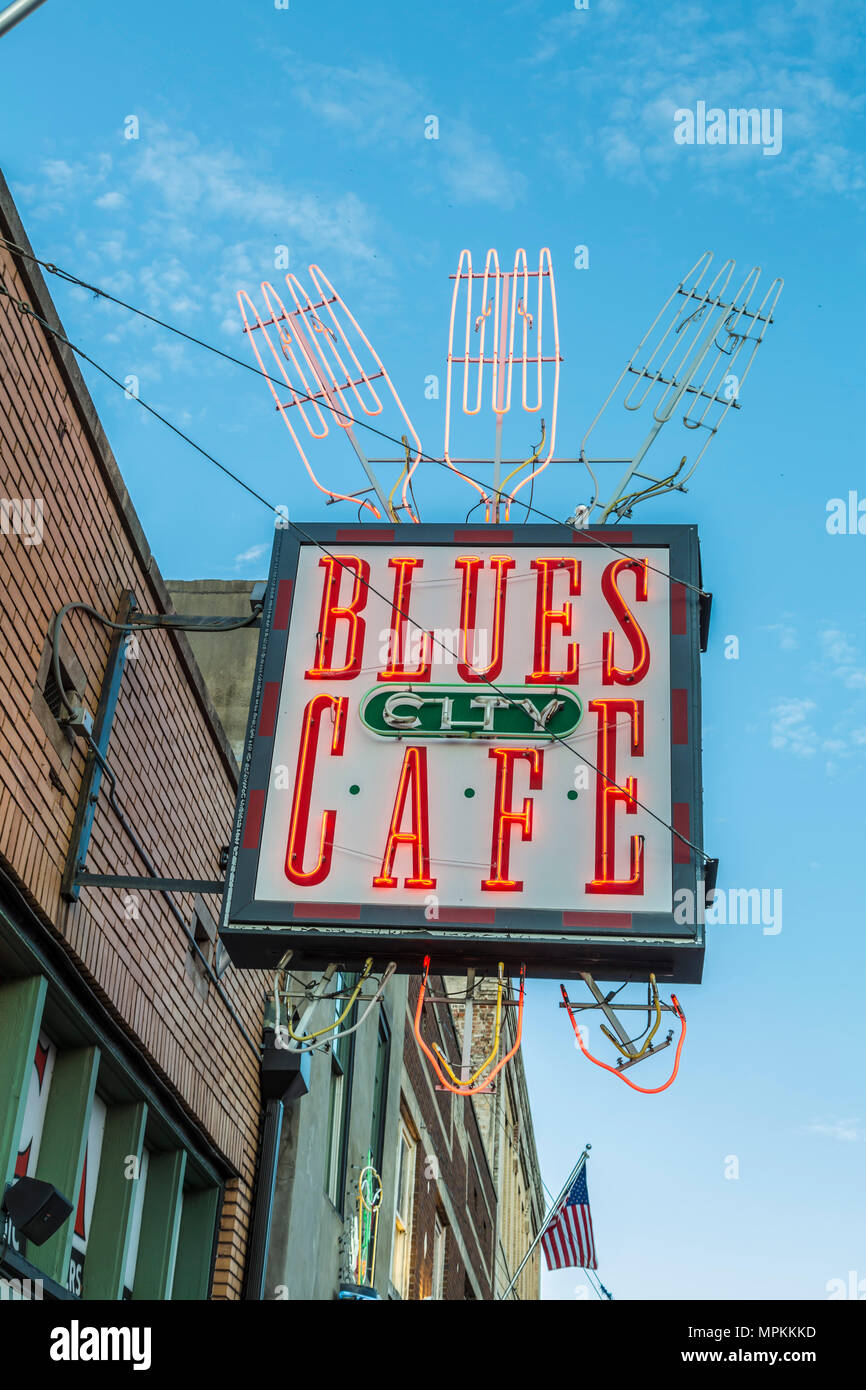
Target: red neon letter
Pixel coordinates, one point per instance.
(413, 773)
(396, 670)
(504, 818)
(608, 793)
(295, 871)
(611, 674)
(470, 564)
(546, 616)
(331, 613)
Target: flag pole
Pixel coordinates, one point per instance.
(14, 13)
(546, 1222)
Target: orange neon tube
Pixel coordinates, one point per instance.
(645, 1090)
(431, 1056)
(493, 1051)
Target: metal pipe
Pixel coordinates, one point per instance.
(546, 1222)
(260, 1235)
(14, 13)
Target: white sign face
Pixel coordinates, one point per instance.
(458, 769)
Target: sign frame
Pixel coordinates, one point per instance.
(552, 944)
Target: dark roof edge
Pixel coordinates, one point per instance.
(40, 298)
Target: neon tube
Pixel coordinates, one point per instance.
(431, 1056)
(485, 1064)
(645, 1090)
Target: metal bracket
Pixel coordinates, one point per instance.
(88, 796)
(155, 885)
(650, 1052)
(602, 1001)
(608, 1012)
(705, 604)
(74, 876)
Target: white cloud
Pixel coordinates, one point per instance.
(847, 1131)
(377, 108)
(839, 663)
(841, 658)
(790, 729)
(202, 188)
(249, 557)
(786, 636)
(792, 56)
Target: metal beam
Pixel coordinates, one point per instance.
(146, 884)
(601, 1000)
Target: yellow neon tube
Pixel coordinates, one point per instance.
(485, 1064)
(633, 1056)
(307, 1037)
(520, 467)
(391, 509)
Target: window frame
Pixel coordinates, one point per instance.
(440, 1247)
(342, 1067)
(407, 1147)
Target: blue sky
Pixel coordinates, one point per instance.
(304, 127)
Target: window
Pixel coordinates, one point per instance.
(135, 1224)
(335, 1131)
(403, 1214)
(342, 1062)
(439, 1238)
(140, 1198)
(380, 1093)
(86, 1194)
(213, 953)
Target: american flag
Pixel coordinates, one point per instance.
(568, 1238)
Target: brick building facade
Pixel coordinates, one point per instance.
(157, 1043)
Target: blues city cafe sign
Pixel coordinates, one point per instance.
(478, 743)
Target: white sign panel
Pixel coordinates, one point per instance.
(473, 727)
(468, 815)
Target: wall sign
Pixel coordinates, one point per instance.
(474, 742)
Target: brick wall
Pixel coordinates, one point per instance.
(505, 1123)
(463, 1191)
(175, 771)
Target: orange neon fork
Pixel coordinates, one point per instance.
(431, 1056)
(646, 1090)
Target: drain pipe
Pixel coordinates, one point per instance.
(260, 1234)
(285, 1078)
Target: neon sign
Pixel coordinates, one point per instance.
(551, 788)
